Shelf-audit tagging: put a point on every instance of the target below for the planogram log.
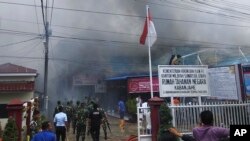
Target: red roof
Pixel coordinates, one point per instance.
(11, 68)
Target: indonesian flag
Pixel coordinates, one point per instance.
(151, 36)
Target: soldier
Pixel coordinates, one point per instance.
(69, 112)
(35, 124)
(105, 123)
(95, 119)
(75, 109)
(90, 105)
(81, 120)
(57, 107)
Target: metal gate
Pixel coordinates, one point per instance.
(186, 116)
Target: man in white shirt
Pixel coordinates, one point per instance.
(144, 112)
(138, 101)
(60, 121)
(144, 106)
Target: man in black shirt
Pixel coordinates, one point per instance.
(95, 118)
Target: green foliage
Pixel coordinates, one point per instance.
(165, 117)
(165, 123)
(1, 130)
(43, 118)
(11, 131)
(131, 106)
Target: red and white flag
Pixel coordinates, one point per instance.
(151, 36)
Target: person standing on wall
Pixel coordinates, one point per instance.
(60, 121)
(121, 110)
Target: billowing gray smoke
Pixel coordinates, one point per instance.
(102, 37)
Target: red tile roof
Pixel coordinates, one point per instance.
(11, 68)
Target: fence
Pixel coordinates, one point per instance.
(186, 116)
(143, 121)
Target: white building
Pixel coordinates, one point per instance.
(16, 82)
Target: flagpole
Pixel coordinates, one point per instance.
(149, 54)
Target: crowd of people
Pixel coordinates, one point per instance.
(88, 118)
(84, 118)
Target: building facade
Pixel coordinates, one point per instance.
(16, 82)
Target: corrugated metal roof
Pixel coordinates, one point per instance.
(124, 77)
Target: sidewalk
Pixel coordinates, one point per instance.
(116, 115)
(115, 135)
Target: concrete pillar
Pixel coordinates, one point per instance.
(15, 110)
(155, 104)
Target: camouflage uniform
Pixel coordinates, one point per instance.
(90, 105)
(105, 122)
(81, 120)
(69, 112)
(57, 108)
(75, 109)
(35, 124)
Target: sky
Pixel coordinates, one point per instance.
(102, 36)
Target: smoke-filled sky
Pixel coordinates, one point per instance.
(102, 36)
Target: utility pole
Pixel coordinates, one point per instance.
(46, 47)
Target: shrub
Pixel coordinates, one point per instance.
(131, 106)
(1, 131)
(165, 124)
(132, 109)
(10, 131)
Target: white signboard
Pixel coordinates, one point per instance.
(183, 80)
(223, 83)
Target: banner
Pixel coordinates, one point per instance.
(142, 85)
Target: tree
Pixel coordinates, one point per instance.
(11, 131)
(165, 123)
(1, 131)
(131, 108)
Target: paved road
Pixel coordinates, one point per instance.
(116, 135)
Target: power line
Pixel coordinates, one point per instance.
(232, 46)
(191, 8)
(132, 34)
(23, 41)
(36, 17)
(43, 16)
(51, 12)
(156, 18)
(15, 32)
(174, 5)
(216, 7)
